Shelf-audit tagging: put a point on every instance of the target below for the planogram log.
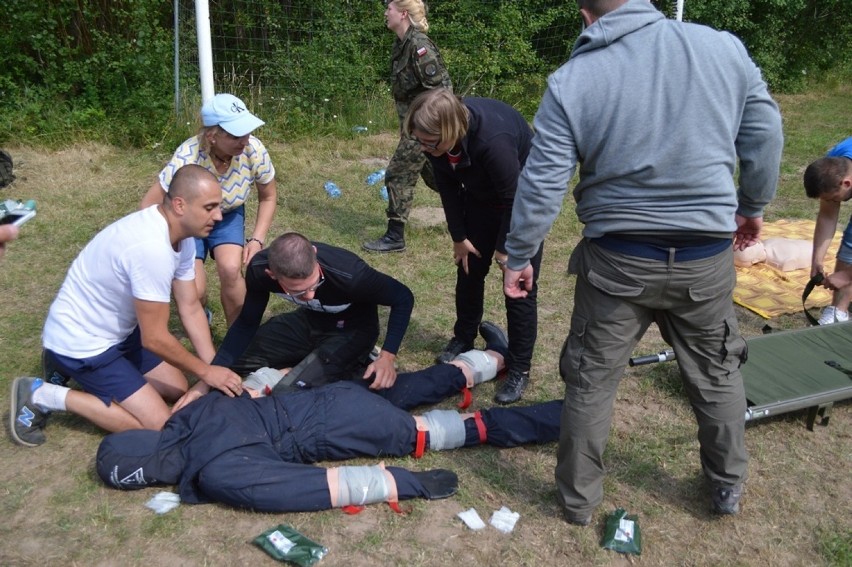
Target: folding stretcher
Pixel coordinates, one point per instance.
(786, 371)
(807, 368)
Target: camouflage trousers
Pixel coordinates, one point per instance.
(406, 165)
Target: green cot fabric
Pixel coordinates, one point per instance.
(792, 364)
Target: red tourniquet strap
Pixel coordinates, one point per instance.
(352, 509)
(420, 445)
(467, 398)
(480, 427)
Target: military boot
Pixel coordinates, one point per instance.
(393, 240)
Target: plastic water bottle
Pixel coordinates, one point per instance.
(332, 189)
(375, 177)
(16, 207)
(359, 129)
(384, 193)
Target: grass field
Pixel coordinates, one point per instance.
(795, 511)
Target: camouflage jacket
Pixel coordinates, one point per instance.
(416, 66)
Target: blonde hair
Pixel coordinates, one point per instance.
(205, 133)
(437, 112)
(416, 13)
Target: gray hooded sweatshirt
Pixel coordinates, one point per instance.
(656, 113)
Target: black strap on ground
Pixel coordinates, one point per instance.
(812, 283)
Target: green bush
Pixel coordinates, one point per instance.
(103, 69)
(789, 39)
(504, 50)
(93, 67)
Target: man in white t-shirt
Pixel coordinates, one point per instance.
(108, 326)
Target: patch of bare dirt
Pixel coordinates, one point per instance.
(427, 216)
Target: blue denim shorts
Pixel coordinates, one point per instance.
(844, 253)
(115, 374)
(230, 230)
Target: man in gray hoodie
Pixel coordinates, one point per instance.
(657, 114)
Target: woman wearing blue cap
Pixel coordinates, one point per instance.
(226, 148)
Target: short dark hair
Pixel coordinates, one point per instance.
(291, 255)
(825, 175)
(600, 7)
(187, 181)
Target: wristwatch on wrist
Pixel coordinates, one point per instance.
(258, 240)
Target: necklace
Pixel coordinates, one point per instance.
(220, 160)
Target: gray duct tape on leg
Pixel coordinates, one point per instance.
(446, 429)
(361, 485)
(482, 364)
(262, 378)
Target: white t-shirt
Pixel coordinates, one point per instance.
(130, 259)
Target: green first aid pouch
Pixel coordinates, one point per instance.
(286, 544)
(622, 533)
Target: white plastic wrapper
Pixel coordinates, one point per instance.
(471, 519)
(504, 519)
(162, 502)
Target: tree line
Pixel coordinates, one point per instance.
(107, 65)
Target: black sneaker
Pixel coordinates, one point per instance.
(495, 338)
(27, 419)
(454, 348)
(726, 499)
(512, 387)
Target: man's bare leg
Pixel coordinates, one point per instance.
(168, 381)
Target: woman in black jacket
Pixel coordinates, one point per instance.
(477, 148)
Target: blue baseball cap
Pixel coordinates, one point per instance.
(229, 113)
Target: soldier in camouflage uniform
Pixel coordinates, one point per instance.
(416, 66)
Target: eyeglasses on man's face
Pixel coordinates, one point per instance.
(313, 288)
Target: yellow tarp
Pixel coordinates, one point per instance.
(770, 292)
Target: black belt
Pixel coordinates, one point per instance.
(662, 253)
